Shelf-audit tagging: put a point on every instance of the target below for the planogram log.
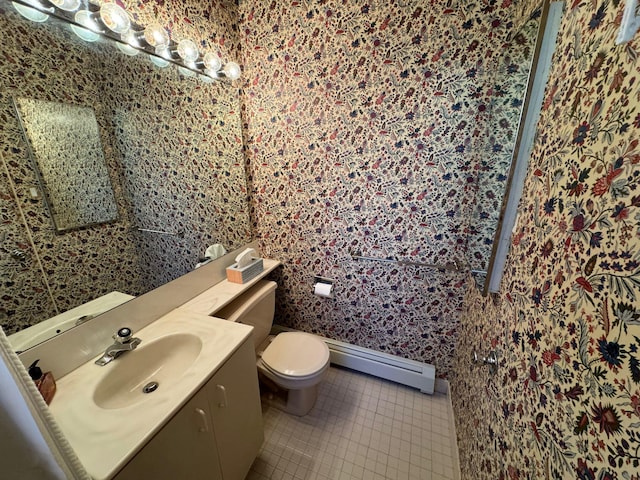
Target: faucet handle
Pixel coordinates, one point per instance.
(123, 335)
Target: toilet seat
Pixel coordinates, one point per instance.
(287, 378)
(296, 355)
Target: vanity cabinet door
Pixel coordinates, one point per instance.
(184, 449)
(234, 397)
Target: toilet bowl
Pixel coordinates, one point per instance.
(292, 363)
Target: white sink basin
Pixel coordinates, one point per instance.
(102, 410)
(155, 365)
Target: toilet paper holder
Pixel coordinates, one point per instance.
(321, 283)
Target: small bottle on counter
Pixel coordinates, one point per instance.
(44, 382)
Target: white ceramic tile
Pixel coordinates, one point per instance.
(361, 428)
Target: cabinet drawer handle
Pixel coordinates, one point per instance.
(202, 416)
(223, 403)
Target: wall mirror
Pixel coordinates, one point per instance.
(66, 152)
(173, 154)
(509, 90)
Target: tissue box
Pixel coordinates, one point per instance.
(243, 275)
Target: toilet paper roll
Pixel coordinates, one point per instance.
(323, 289)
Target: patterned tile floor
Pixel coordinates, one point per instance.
(360, 428)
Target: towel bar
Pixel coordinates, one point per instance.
(451, 266)
(172, 234)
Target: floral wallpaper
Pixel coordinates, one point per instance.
(364, 132)
(173, 147)
(565, 402)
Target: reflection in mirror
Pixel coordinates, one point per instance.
(46, 329)
(533, 104)
(173, 153)
(508, 90)
(65, 148)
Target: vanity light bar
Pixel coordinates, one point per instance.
(112, 21)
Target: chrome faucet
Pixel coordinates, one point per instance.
(124, 342)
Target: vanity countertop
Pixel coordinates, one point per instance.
(106, 438)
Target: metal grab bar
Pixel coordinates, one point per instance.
(451, 266)
(172, 234)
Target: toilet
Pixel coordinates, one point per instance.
(292, 363)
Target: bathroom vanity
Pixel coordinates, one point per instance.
(184, 404)
(224, 416)
(201, 413)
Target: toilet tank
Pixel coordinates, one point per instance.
(254, 307)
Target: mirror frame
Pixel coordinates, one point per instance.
(40, 174)
(544, 14)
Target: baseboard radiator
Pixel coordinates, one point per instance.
(383, 365)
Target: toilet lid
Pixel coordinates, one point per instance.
(296, 354)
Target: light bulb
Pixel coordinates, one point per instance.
(186, 72)
(188, 50)
(115, 18)
(156, 36)
(232, 70)
(212, 74)
(212, 62)
(84, 33)
(87, 20)
(66, 5)
(31, 13)
(127, 49)
(159, 62)
(164, 52)
(132, 38)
